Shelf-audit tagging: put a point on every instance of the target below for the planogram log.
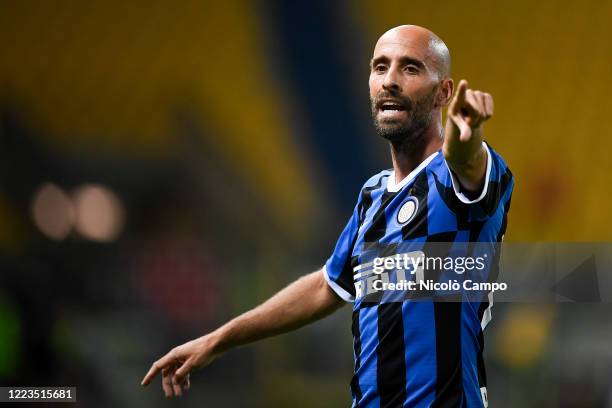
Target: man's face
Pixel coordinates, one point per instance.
(403, 86)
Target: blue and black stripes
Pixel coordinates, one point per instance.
(409, 351)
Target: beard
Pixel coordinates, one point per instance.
(410, 131)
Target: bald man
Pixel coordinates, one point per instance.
(446, 186)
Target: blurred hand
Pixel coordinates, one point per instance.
(306, 300)
(178, 363)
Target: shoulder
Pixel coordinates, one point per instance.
(375, 183)
(378, 180)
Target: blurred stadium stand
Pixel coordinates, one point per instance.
(166, 166)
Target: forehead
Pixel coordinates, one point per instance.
(397, 44)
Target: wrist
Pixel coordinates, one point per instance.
(466, 160)
(218, 340)
(470, 175)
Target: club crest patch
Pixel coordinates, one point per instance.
(407, 210)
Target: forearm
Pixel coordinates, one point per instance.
(304, 301)
(468, 166)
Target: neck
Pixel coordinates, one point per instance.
(407, 156)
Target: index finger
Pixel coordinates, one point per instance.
(156, 367)
(460, 96)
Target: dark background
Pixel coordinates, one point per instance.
(165, 166)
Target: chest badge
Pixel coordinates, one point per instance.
(407, 210)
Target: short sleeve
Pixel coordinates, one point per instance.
(337, 270)
(497, 186)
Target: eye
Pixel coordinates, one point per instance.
(412, 69)
(380, 68)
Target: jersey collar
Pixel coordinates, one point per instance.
(393, 188)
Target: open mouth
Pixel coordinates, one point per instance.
(391, 109)
(391, 106)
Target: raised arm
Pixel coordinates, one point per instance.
(462, 147)
(304, 301)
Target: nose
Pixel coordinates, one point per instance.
(391, 83)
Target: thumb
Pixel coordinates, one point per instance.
(179, 375)
(465, 131)
(457, 128)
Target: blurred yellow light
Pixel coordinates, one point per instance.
(524, 335)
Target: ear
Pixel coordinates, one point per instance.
(445, 92)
